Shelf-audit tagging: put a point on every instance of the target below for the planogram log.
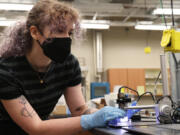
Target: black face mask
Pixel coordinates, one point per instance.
(57, 49)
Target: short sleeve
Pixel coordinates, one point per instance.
(9, 87)
(75, 77)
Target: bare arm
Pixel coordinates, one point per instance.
(25, 116)
(75, 101)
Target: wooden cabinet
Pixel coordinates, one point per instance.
(117, 77)
(135, 78)
(130, 77)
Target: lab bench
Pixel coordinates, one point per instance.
(109, 131)
(156, 129)
(143, 128)
(105, 131)
(151, 126)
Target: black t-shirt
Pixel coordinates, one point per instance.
(17, 78)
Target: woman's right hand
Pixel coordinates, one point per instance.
(101, 117)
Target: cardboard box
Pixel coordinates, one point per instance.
(59, 110)
(101, 104)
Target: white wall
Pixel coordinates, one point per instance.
(125, 49)
(121, 49)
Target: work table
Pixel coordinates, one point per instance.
(109, 131)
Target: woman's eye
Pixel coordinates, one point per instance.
(70, 33)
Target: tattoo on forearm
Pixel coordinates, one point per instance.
(24, 111)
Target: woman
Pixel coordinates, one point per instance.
(36, 68)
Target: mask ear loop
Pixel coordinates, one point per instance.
(38, 42)
(41, 35)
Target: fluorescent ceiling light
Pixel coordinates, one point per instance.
(96, 21)
(16, 7)
(6, 22)
(145, 22)
(166, 11)
(95, 24)
(3, 18)
(152, 27)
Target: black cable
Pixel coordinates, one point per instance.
(145, 5)
(164, 18)
(139, 96)
(147, 93)
(155, 84)
(158, 77)
(175, 60)
(129, 89)
(172, 103)
(172, 13)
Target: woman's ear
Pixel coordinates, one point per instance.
(34, 32)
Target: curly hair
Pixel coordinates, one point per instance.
(16, 40)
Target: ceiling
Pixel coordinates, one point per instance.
(120, 13)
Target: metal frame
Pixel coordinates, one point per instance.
(174, 59)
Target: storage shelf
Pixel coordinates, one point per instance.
(153, 84)
(152, 78)
(151, 75)
(158, 95)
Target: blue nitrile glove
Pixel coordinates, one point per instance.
(101, 117)
(131, 112)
